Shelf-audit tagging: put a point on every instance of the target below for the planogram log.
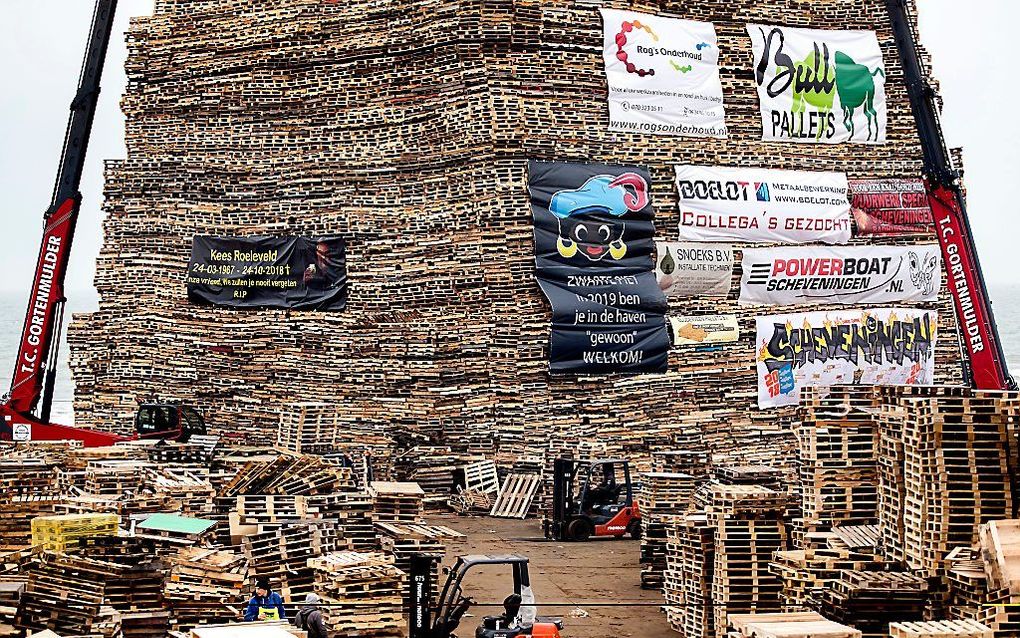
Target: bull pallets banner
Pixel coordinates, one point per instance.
(268, 272)
(890, 207)
(699, 330)
(819, 86)
(762, 205)
(789, 275)
(878, 346)
(686, 269)
(593, 257)
(663, 75)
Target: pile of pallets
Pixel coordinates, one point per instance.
(397, 502)
(805, 624)
(362, 593)
(817, 567)
(289, 474)
(661, 495)
(282, 555)
(687, 579)
(870, 600)
(205, 586)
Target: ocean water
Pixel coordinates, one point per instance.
(1005, 301)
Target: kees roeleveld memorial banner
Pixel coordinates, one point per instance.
(879, 346)
(890, 207)
(593, 257)
(762, 205)
(663, 75)
(791, 275)
(693, 270)
(819, 86)
(268, 272)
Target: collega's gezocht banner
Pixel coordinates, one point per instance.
(696, 330)
(819, 86)
(687, 269)
(663, 75)
(268, 272)
(762, 205)
(789, 275)
(593, 257)
(890, 206)
(878, 346)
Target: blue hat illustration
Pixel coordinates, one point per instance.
(603, 193)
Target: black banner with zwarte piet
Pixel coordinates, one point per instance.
(268, 272)
(594, 229)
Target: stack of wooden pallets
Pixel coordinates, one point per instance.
(282, 555)
(64, 594)
(362, 593)
(661, 495)
(806, 624)
(687, 579)
(870, 600)
(940, 629)
(352, 513)
(205, 586)
(817, 567)
(397, 502)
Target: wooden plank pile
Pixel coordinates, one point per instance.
(870, 600)
(687, 579)
(940, 629)
(292, 475)
(282, 555)
(362, 593)
(64, 593)
(805, 624)
(205, 586)
(817, 567)
(397, 502)
(661, 496)
(353, 514)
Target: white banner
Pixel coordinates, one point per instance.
(689, 269)
(819, 86)
(663, 75)
(704, 329)
(762, 205)
(880, 346)
(791, 275)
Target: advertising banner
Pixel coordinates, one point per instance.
(593, 257)
(762, 205)
(693, 270)
(268, 272)
(663, 75)
(789, 275)
(701, 330)
(880, 346)
(890, 207)
(819, 86)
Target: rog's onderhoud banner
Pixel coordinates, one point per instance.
(762, 205)
(819, 86)
(878, 346)
(890, 207)
(699, 330)
(268, 272)
(789, 275)
(685, 269)
(593, 257)
(663, 75)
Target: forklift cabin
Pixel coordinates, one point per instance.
(168, 421)
(592, 498)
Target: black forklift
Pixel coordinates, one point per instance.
(592, 498)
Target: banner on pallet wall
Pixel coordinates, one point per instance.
(696, 330)
(819, 86)
(762, 205)
(662, 74)
(593, 256)
(890, 207)
(268, 272)
(789, 275)
(686, 269)
(879, 346)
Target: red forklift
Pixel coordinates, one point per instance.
(592, 498)
(25, 409)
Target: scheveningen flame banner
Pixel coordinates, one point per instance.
(890, 207)
(789, 275)
(819, 86)
(879, 346)
(593, 257)
(718, 203)
(663, 75)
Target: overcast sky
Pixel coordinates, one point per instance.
(42, 42)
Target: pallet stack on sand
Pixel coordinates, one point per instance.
(687, 579)
(661, 496)
(362, 593)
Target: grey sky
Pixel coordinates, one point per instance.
(42, 41)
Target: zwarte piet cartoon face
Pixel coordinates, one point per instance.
(590, 217)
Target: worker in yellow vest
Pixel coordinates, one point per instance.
(266, 604)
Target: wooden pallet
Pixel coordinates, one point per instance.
(516, 496)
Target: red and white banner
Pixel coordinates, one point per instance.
(762, 205)
(890, 206)
(790, 275)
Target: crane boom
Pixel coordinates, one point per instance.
(985, 364)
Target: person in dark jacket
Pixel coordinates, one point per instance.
(309, 618)
(266, 604)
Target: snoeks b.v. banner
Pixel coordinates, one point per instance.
(762, 205)
(789, 275)
(687, 269)
(663, 75)
(819, 86)
(593, 257)
(268, 272)
(879, 346)
(890, 207)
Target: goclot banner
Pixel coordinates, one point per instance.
(663, 75)
(819, 86)
(687, 269)
(762, 205)
(791, 275)
(593, 257)
(890, 207)
(268, 272)
(881, 346)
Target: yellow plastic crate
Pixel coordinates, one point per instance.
(57, 533)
